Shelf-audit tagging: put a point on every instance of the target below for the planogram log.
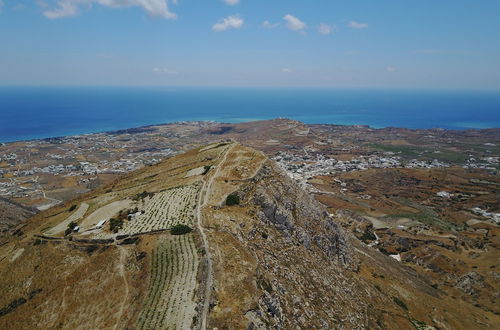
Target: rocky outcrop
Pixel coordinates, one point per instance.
(470, 282)
(298, 216)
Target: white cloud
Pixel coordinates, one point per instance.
(357, 25)
(165, 71)
(68, 8)
(391, 69)
(230, 22)
(286, 70)
(326, 29)
(269, 25)
(293, 23)
(232, 2)
(65, 8)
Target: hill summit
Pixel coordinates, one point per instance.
(218, 237)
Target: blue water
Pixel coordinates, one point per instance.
(38, 112)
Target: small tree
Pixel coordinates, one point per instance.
(72, 208)
(115, 224)
(232, 199)
(400, 303)
(70, 229)
(180, 229)
(206, 168)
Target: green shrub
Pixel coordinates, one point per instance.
(180, 229)
(368, 236)
(206, 168)
(70, 229)
(400, 303)
(115, 224)
(72, 208)
(232, 199)
(143, 195)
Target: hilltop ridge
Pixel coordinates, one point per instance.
(255, 251)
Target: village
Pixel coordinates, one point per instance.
(28, 173)
(302, 166)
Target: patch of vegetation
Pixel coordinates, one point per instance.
(143, 195)
(426, 215)
(206, 168)
(180, 229)
(71, 227)
(33, 293)
(130, 240)
(400, 303)
(12, 306)
(402, 150)
(450, 157)
(368, 236)
(232, 199)
(409, 151)
(115, 224)
(72, 208)
(123, 214)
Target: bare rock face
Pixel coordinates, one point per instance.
(297, 215)
(469, 282)
(298, 261)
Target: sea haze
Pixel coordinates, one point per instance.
(39, 112)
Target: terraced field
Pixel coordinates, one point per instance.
(170, 303)
(166, 209)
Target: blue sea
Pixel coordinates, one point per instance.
(39, 112)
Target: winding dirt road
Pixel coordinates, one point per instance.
(202, 201)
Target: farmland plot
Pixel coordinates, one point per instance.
(166, 209)
(170, 303)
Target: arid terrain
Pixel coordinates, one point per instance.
(299, 226)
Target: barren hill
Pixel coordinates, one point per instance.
(262, 254)
(12, 213)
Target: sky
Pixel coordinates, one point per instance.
(290, 43)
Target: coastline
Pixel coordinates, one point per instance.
(37, 113)
(144, 128)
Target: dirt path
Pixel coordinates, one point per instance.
(202, 201)
(121, 271)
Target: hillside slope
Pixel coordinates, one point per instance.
(11, 215)
(262, 254)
